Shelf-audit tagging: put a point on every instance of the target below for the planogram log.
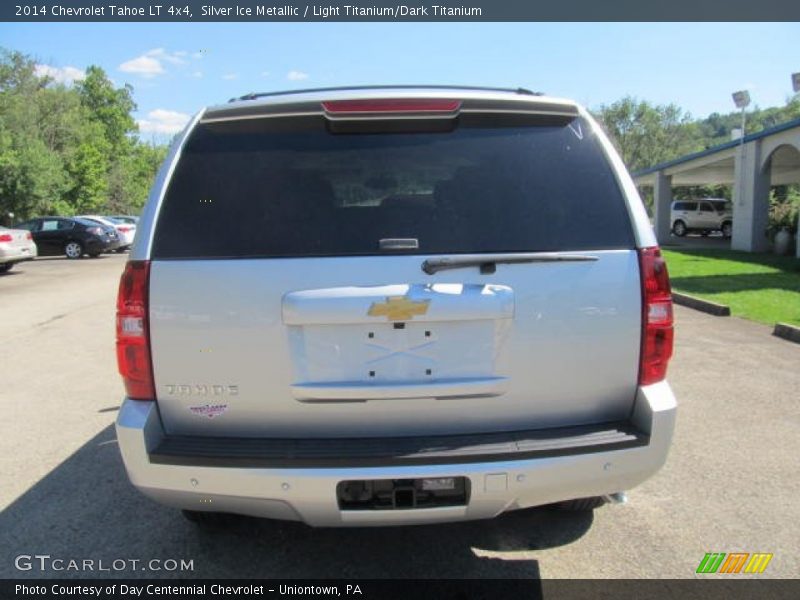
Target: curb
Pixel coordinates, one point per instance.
(787, 332)
(712, 308)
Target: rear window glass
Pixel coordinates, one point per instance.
(248, 191)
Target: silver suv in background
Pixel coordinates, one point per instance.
(704, 215)
(377, 306)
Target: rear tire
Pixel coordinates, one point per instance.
(727, 229)
(679, 228)
(73, 250)
(580, 504)
(6, 267)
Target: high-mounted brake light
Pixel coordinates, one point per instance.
(657, 331)
(133, 331)
(396, 105)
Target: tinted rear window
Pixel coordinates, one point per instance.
(244, 190)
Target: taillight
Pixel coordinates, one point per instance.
(6, 237)
(657, 332)
(133, 331)
(124, 229)
(397, 105)
(28, 235)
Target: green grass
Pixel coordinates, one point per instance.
(760, 287)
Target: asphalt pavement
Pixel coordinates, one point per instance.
(730, 483)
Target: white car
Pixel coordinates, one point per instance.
(385, 306)
(125, 231)
(16, 245)
(704, 215)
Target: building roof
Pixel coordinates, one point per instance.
(726, 146)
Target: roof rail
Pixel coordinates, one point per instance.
(254, 96)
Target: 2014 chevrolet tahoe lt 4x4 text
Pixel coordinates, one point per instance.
(371, 306)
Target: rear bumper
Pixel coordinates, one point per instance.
(97, 245)
(15, 254)
(308, 493)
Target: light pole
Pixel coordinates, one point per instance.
(741, 99)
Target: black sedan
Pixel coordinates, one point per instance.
(72, 237)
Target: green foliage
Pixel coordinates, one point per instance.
(31, 175)
(109, 106)
(646, 135)
(716, 129)
(69, 150)
(784, 209)
(130, 179)
(88, 167)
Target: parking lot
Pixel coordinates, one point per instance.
(730, 484)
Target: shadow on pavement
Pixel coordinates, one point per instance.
(86, 509)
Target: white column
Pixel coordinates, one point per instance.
(750, 200)
(662, 203)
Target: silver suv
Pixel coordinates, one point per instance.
(704, 215)
(376, 306)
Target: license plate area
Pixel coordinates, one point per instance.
(402, 494)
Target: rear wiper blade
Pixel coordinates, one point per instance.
(488, 264)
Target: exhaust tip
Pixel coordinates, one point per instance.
(617, 498)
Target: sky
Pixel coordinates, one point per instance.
(177, 68)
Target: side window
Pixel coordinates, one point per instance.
(29, 225)
(680, 206)
(690, 206)
(49, 225)
(706, 207)
(720, 206)
(64, 225)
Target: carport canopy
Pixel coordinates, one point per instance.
(752, 164)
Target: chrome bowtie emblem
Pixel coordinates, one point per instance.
(398, 308)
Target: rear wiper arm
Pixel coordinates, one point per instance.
(488, 264)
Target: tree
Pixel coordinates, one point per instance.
(69, 149)
(31, 172)
(130, 179)
(646, 135)
(109, 106)
(31, 176)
